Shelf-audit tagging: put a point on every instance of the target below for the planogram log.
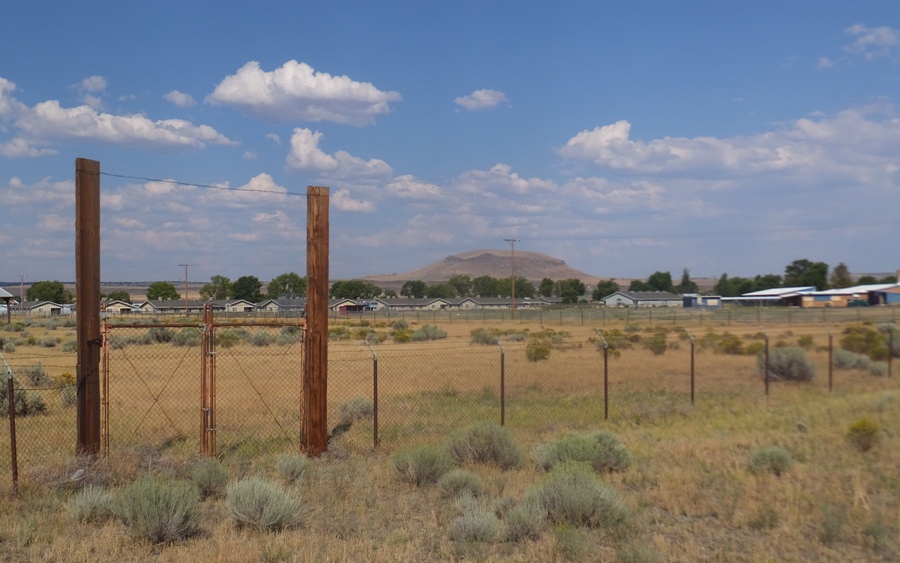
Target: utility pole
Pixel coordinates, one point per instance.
(512, 277)
(186, 302)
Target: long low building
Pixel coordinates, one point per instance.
(809, 297)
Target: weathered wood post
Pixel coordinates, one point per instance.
(87, 296)
(314, 420)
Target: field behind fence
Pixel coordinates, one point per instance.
(159, 394)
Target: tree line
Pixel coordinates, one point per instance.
(799, 273)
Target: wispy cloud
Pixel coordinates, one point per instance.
(180, 99)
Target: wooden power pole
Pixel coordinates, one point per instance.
(87, 296)
(314, 417)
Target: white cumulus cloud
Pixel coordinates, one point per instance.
(296, 92)
(482, 99)
(408, 187)
(873, 42)
(180, 99)
(306, 155)
(342, 201)
(93, 84)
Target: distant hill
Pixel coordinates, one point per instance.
(533, 266)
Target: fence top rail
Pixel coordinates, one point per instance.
(199, 325)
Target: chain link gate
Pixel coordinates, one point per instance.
(246, 375)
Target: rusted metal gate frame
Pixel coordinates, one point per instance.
(207, 376)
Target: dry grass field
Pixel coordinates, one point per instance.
(690, 492)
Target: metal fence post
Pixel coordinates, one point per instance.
(767, 364)
(104, 387)
(830, 359)
(891, 348)
(502, 383)
(691, 336)
(12, 426)
(374, 394)
(605, 375)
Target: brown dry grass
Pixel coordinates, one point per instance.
(689, 488)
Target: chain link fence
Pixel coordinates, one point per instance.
(233, 389)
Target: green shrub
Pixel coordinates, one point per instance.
(158, 510)
(863, 434)
(428, 332)
(806, 342)
(70, 346)
(402, 336)
(9, 346)
(536, 351)
(776, 460)
(485, 442)
(210, 477)
(601, 450)
(863, 339)
(359, 408)
(478, 523)
(729, 344)
(423, 465)
(657, 344)
(459, 482)
(187, 337)
(573, 544)
(572, 495)
(228, 337)
(90, 504)
(526, 520)
(291, 467)
(849, 360)
(263, 505)
(787, 363)
(49, 343)
(26, 402)
(400, 324)
(890, 329)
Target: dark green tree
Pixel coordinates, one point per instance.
(638, 285)
(390, 294)
(767, 281)
(286, 284)
(571, 290)
(866, 280)
(354, 289)
(546, 288)
(49, 291)
(219, 287)
(604, 289)
(687, 285)
(840, 277)
(660, 281)
(486, 286)
(804, 272)
(440, 290)
(888, 279)
(462, 285)
(413, 288)
(119, 295)
(249, 288)
(162, 290)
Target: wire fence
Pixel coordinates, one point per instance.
(234, 389)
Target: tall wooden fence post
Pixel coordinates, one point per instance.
(314, 421)
(87, 294)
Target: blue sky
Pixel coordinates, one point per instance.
(623, 138)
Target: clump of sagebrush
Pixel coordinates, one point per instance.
(158, 510)
(844, 359)
(187, 337)
(210, 477)
(263, 505)
(526, 520)
(230, 337)
(70, 346)
(775, 460)
(729, 343)
(90, 504)
(572, 495)
(657, 344)
(36, 374)
(602, 450)
(460, 482)
(261, 339)
(428, 332)
(489, 336)
(485, 442)
(477, 523)
(291, 467)
(788, 363)
(161, 334)
(358, 408)
(863, 434)
(400, 324)
(26, 402)
(422, 465)
(892, 335)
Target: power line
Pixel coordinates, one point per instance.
(205, 186)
